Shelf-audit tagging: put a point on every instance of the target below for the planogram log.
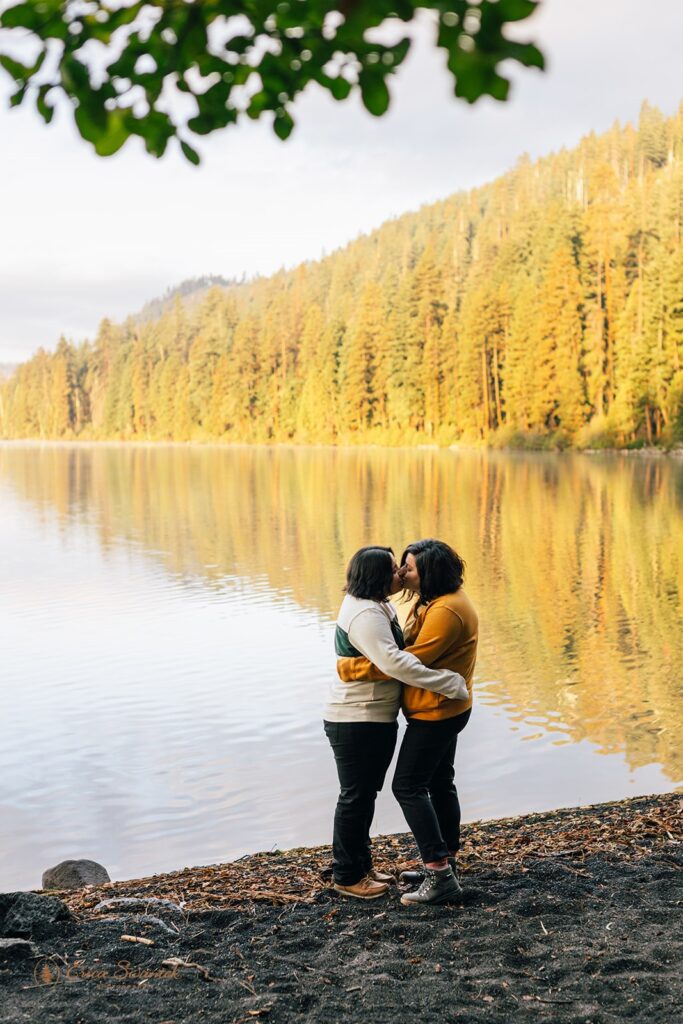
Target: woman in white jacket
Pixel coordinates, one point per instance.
(360, 717)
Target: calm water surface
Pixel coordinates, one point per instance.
(166, 621)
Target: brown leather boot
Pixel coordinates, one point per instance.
(366, 889)
(381, 876)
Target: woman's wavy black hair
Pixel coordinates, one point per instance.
(370, 572)
(441, 569)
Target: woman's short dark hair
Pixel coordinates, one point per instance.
(440, 568)
(370, 572)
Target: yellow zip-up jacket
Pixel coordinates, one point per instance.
(442, 634)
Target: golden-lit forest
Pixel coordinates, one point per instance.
(575, 565)
(542, 309)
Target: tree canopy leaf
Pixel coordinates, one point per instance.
(286, 44)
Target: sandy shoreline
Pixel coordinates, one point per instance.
(572, 915)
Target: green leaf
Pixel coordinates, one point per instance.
(498, 87)
(114, 135)
(525, 53)
(213, 109)
(516, 10)
(282, 125)
(91, 119)
(374, 91)
(476, 76)
(192, 38)
(18, 71)
(50, 24)
(74, 75)
(239, 44)
(16, 97)
(399, 51)
(21, 16)
(156, 129)
(339, 87)
(259, 102)
(190, 154)
(124, 67)
(44, 108)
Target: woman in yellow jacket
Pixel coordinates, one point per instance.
(442, 631)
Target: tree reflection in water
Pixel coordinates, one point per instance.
(574, 562)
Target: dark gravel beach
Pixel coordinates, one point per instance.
(569, 916)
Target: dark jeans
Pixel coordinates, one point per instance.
(424, 784)
(363, 752)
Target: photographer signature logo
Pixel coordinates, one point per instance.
(49, 972)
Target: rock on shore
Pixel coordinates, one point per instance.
(74, 874)
(565, 917)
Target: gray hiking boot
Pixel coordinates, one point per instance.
(439, 886)
(416, 877)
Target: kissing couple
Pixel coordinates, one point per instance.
(426, 670)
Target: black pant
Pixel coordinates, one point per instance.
(363, 752)
(424, 784)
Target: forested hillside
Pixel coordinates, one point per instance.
(190, 291)
(545, 307)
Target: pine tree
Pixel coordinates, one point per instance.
(62, 386)
(558, 387)
(358, 361)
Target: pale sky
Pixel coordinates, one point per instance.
(85, 237)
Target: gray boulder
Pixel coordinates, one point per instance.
(74, 874)
(27, 913)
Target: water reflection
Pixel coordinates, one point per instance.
(575, 564)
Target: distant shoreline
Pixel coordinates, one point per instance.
(647, 451)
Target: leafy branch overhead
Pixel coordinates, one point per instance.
(127, 67)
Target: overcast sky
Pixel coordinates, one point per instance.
(84, 237)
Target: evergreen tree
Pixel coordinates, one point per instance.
(358, 361)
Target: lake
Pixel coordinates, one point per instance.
(166, 628)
